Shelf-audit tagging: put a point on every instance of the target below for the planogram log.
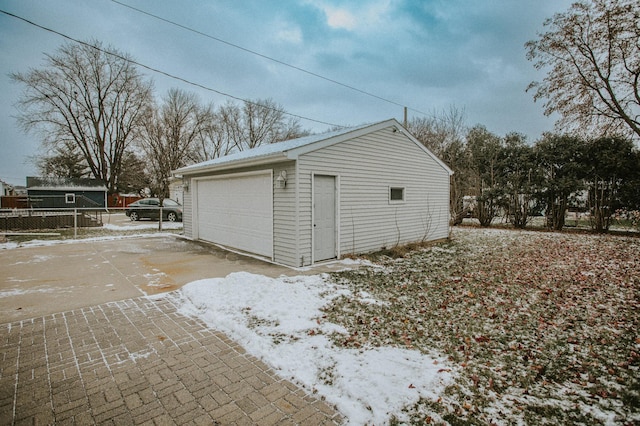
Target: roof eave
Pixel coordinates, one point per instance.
(69, 188)
(258, 161)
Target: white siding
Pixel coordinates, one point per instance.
(187, 208)
(367, 167)
(285, 244)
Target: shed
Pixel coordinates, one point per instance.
(59, 193)
(320, 197)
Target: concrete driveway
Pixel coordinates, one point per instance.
(81, 344)
(37, 281)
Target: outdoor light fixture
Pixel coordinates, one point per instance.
(185, 186)
(281, 180)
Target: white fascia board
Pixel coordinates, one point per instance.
(249, 162)
(69, 188)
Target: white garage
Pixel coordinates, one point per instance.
(320, 197)
(236, 210)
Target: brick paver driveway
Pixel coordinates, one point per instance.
(138, 361)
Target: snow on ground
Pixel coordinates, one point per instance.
(142, 225)
(19, 292)
(280, 321)
(42, 243)
(114, 233)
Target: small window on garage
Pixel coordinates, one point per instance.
(396, 194)
(70, 198)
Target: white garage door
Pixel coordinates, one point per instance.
(237, 211)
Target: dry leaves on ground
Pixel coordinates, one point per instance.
(543, 326)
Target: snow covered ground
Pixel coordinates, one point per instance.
(116, 231)
(40, 243)
(142, 225)
(494, 326)
(280, 321)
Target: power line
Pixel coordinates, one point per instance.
(158, 71)
(253, 52)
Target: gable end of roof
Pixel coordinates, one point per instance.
(292, 149)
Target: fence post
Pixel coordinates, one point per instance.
(75, 222)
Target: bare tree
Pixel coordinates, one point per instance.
(230, 128)
(265, 122)
(440, 130)
(262, 121)
(88, 96)
(443, 134)
(592, 55)
(211, 141)
(171, 135)
(256, 123)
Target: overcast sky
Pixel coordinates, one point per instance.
(429, 55)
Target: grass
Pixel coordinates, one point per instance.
(540, 328)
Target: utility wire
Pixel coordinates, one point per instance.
(155, 70)
(253, 52)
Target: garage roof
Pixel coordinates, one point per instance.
(64, 184)
(291, 149)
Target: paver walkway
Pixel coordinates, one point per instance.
(139, 361)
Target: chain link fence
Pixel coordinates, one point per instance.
(25, 220)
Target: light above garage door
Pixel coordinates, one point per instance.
(236, 211)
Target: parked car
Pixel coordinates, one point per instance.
(150, 208)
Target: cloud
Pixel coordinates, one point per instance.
(288, 33)
(360, 17)
(339, 18)
(426, 54)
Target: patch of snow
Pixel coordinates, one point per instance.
(367, 298)
(20, 292)
(280, 321)
(138, 226)
(154, 279)
(135, 356)
(47, 243)
(8, 246)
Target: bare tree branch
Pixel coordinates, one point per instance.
(592, 54)
(89, 98)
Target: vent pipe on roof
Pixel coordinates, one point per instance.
(404, 123)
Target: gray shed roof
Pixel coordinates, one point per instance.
(289, 150)
(64, 184)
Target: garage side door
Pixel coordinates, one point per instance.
(237, 211)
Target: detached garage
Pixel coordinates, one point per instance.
(320, 197)
(237, 211)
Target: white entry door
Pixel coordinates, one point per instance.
(324, 217)
(237, 211)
